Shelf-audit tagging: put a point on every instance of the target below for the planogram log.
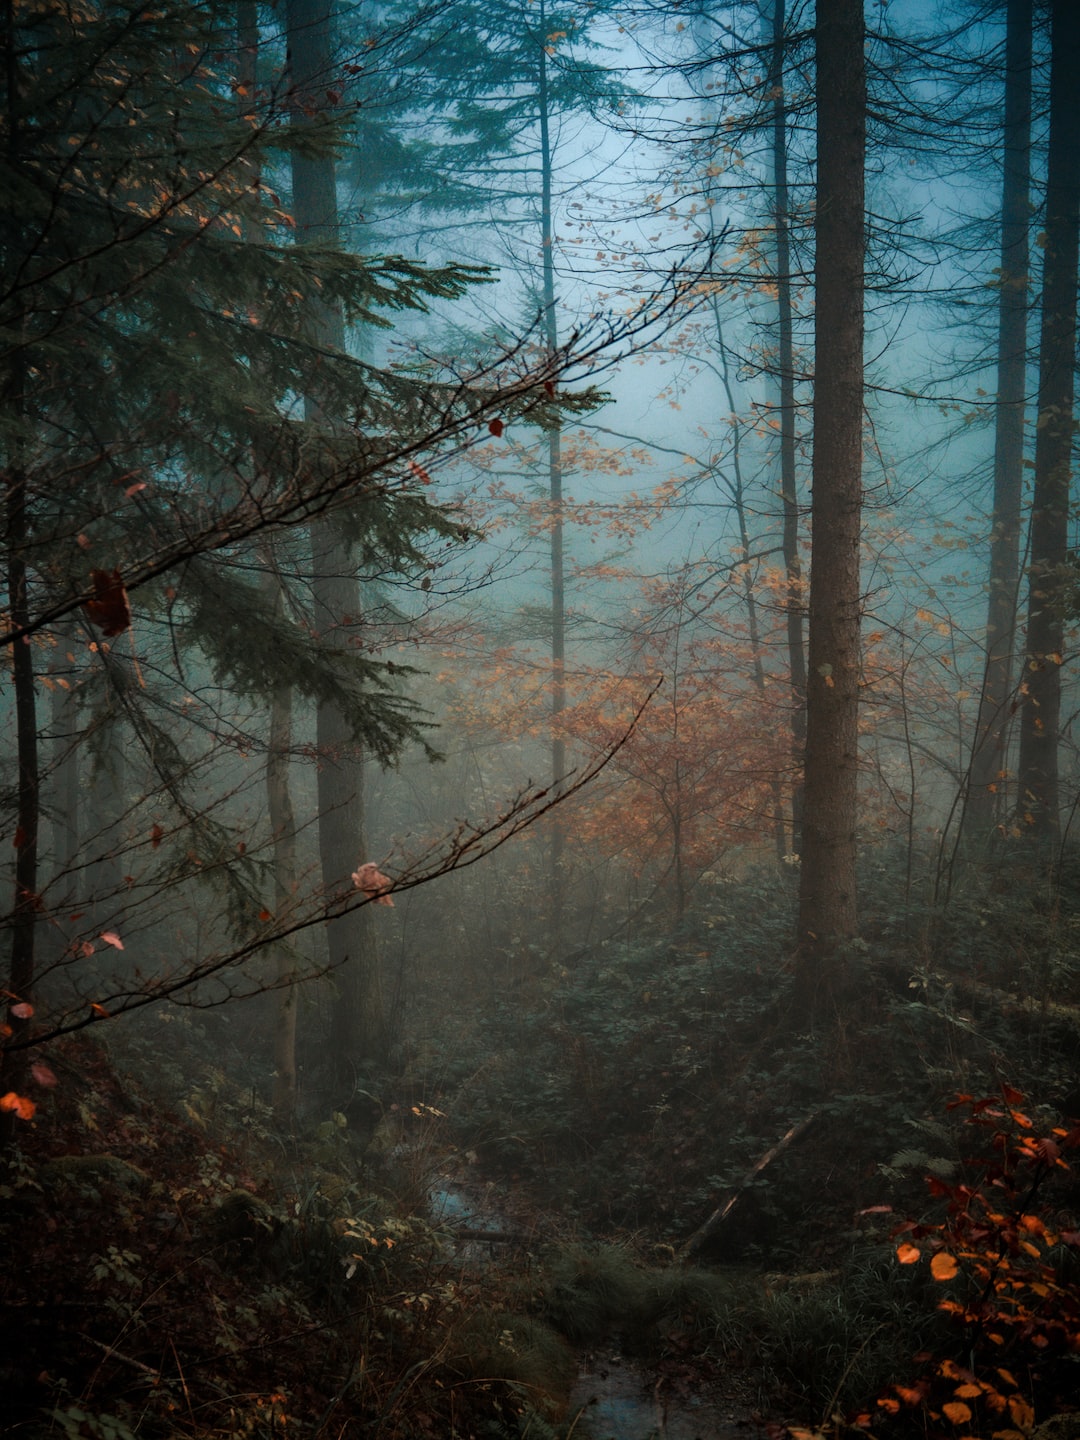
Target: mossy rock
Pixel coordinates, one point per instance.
(93, 1176)
(1058, 1427)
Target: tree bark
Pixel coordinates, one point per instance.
(555, 494)
(794, 599)
(989, 760)
(357, 1029)
(827, 910)
(1049, 575)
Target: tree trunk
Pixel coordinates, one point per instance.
(789, 497)
(64, 768)
(24, 910)
(555, 491)
(283, 830)
(1049, 574)
(989, 760)
(827, 914)
(357, 1031)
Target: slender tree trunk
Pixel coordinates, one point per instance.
(283, 830)
(738, 500)
(827, 913)
(24, 912)
(64, 767)
(357, 1031)
(1049, 576)
(989, 761)
(794, 599)
(555, 491)
(279, 739)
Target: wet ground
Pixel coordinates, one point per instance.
(615, 1398)
(618, 1400)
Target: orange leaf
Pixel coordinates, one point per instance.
(1021, 1412)
(22, 1107)
(943, 1266)
(957, 1412)
(99, 1010)
(111, 938)
(23, 1010)
(907, 1254)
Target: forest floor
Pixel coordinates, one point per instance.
(499, 1249)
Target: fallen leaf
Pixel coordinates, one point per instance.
(111, 938)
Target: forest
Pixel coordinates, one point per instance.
(540, 758)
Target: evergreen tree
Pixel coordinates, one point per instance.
(155, 326)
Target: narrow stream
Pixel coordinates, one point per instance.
(615, 1398)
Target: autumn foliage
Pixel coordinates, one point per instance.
(1005, 1253)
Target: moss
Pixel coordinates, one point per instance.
(93, 1176)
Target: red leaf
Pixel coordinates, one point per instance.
(109, 609)
(111, 938)
(20, 838)
(43, 1074)
(549, 386)
(23, 1010)
(155, 836)
(22, 1107)
(265, 915)
(496, 427)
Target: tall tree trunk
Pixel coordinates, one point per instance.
(64, 767)
(555, 495)
(279, 739)
(989, 761)
(1050, 571)
(24, 910)
(283, 831)
(789, 497)
(827, 914)
(737, 491)
(357, 1031)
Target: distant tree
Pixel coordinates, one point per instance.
(1050, 570)
(986, 781)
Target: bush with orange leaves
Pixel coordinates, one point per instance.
(1008, 1259)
